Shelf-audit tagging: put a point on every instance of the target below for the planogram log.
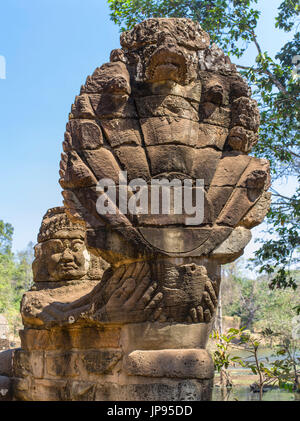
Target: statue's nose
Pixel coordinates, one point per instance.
(67, 255)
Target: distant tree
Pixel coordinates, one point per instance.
(22, 277)
(240, 295)
(6, 234)
(7, 266)
(275, 83)
(15, 274)
(259, 307)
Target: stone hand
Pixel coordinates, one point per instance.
(205, 311)
(134, 298)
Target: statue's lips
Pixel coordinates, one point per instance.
(66, 267)
(166, 64)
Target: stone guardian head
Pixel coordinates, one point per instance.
(61, 253)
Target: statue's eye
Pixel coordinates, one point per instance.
(77, 246)
(57, 248)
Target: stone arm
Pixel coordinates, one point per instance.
(128, 295)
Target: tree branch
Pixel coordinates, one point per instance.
(275, 193)
(276, 82)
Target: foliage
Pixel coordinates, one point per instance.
(278, 255)
(283, 371)
(286, 368)
(258, 307)
(222, 357)
(15, 275)
(6, 233)
(232, 25)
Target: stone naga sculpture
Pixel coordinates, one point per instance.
(167, 106)
(168, 109)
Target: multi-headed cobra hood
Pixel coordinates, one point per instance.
(167, 105)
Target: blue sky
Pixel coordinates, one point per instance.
(50, 46)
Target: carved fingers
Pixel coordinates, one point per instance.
(212, 293)
(134, 296)
(199, 310)
(196, 314)
(154, 307)
(208, 301)
(121, 295)
(142, 290)
(117, 279)
(125, 291)
(142, 298)
(205, 311)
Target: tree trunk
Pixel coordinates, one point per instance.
(218, 322)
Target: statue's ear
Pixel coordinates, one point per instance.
(39, 266)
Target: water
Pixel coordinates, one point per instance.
(243, 393)
(242, 378)
(263, 355)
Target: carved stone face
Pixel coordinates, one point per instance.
(66, 256)
(167, 62)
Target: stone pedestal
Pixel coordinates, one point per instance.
(141, 361)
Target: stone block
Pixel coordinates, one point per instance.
(6, 359)
(28, 363)
(113, 105)
(218, 196)
(21, 363)
(175, 239)
(5, 388)
(233, 246)
(257, 213)
(81, 391)
(166, 106)
(156, 336)
(122, 131)
(68, 338)
(196, 163)
(162, 390)
(21, 389)
(110, 77)
(211, 135)
(241, 139)
(213, 114)
(82, 108)
(85, 134)
(134, 159)
(245, 113)
(229, 170)
(100, 361)
(74, 173)
(170, 363)
(48, 390)
(217, 235)
(239, 204)
(168, 130)
(187, 33)
(62, 364)
(103, 163)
